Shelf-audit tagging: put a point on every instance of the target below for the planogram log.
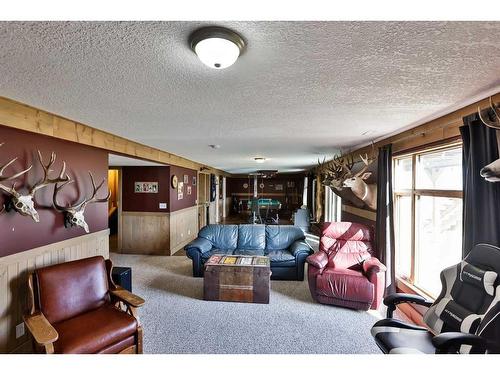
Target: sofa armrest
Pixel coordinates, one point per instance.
(199, 244)
(42, 331)
(373, 265)
(318, 260)
(300, 246)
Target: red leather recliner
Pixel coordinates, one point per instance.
(343, 272)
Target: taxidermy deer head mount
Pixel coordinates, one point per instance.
(491, 172)
(75, 215)
(335, 171)
(366, 192)
(24, 203)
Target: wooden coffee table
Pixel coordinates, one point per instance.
(237, 278)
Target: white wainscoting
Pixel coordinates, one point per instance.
(14, 271)
(183, 228)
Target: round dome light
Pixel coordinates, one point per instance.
(216, 47)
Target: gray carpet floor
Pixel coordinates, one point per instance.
(176, 319)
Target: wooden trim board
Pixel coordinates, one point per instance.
(370, 215)
(24, 117)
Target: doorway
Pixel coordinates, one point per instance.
(203, 199)
(114, 178)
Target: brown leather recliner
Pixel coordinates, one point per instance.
(344, 271)
(76, 308)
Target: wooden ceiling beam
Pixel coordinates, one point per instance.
(440, 129)
(24, 117)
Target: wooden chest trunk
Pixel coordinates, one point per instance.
(235, 282)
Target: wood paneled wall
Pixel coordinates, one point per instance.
(158, 233)
(145, 233)
(14, 271)
(183, 228)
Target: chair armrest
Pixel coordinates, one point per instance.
(395, 299)
(300, 246)
(126, 297)
(373, 265)
(42, 331)
(318, 260)
(198, 244)
(450, 342)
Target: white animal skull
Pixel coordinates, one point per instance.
(74, 216)
(77, 218)
(25, 206)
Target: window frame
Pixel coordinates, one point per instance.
(414, 194)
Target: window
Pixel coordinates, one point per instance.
(428, 215)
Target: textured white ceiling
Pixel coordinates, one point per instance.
(300, 91)
(122, 161)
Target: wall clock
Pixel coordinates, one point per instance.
(174, 181)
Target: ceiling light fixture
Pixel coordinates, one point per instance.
(216, 47)
(259, 160)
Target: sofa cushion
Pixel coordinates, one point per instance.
(215, 251)
(251, 237)
(281, 258)
(221, 236)
(280, 237)
(344, 284)
(248, 252)
(93, 331)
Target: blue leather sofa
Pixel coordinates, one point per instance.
(285, 245)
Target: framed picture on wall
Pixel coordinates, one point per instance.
(188, 190)
(194, 180)
(180, 190)
(186, 179)
(145, 187)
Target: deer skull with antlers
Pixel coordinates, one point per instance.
(24, 203)
(10, 191)
(75, 215)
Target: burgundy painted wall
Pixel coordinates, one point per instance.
(19, 233)
(188, 200)
(145, 202)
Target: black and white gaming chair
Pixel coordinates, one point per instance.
(465, 318)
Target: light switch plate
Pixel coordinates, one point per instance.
(19, 330)
(163, 206)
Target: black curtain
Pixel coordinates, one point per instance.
(385, 216)
(481, 203)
